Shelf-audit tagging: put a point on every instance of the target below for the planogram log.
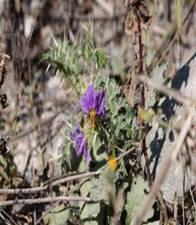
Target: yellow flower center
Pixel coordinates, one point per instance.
(112, 163)
(92, 115)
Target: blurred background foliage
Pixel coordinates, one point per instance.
(55, 50)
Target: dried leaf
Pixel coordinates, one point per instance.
(130, 89)
(129, 23)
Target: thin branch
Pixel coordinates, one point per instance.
(9, 218)
(45, 200)
(99, 18)
(45, 187)
(164, 168)
(107, 7)
(174, 36)
(59, 181)
(120, 157)
(32, 30)
(126, 153)
(177, 95)
(75, 177)
(189, 183)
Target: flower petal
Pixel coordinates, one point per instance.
(88, 100)
(87, 156)
(80, 144)
(100, 103)
(75, 133)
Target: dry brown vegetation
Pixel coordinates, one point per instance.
(143, 54)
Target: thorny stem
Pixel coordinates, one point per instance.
(139, 34)
(143, 124)
(142, 96)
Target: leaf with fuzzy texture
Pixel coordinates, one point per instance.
(93, 189)
(58, 216)
(135, 197)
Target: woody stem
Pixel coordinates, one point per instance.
(143, 124)
(142, 96)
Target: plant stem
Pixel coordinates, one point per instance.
(169, 158)
(46, 186)
(44, 200)
(143, 124)
(142, 96)
(139, 35)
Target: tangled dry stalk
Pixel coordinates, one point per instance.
(190, 105)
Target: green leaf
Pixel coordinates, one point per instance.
(135, 197)
(90, 211)
(65, 57)
(93, 189)
(88, 52)
(3, 161)
(101, 58)
(95, 144)
(58, 216)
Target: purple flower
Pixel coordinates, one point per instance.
(80, 143)
(93, 104)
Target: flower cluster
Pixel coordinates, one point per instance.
(92, 104)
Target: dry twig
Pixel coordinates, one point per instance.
(50, 184)
(174, 36)
(106, 7)
(178, 96)
(44, 200)
(164, 168)
(45, 187)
